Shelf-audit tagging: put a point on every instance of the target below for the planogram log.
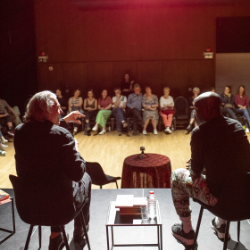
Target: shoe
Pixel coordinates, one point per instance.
(219, 231)
(3, 146)
(4, 140)
(168, 130)
(119, 133)
(3, 153)
(56, 243)
(186, 239)
(135, 133)
(124, 124)
(247, 130)
(189, 128)
(155, 132)
(102, 132)
(95, 128)
(144, 132)
(11, 132)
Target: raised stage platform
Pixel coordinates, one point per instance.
(97, 234)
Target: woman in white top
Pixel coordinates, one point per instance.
(167, 109)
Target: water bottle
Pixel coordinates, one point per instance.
(151, 205)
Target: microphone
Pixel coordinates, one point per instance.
(142, 152)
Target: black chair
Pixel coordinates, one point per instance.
(233, 204)
(181, 111)
(40, 208)
(98, 176)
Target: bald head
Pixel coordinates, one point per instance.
(207, 106)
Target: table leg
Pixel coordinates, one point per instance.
(107, 233)
(161, 239)
(112, 236)
(158, 237)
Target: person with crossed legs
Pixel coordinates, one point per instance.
(218, 144)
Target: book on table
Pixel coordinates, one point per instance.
(130, 205)
(4, 197)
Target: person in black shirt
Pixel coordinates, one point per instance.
(127, 85)
(47, 155)
(62, 101)
(220, 145)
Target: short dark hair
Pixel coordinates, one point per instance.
(137, 85)
(117, 88)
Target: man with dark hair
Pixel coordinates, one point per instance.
(135, 105)
(219, 145)
(47, 155)
(119, 104)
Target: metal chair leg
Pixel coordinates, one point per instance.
(238, 231)
(226, 235)
(65, 238)
(116, 184)
(198, 225)
(85, 229)
(28, 237)
(100, 187)
(40, 236)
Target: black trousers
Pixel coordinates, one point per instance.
(4, 120)
(86, 182)
(136, 114)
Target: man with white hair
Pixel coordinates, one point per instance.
(218, 144)
(47, 153)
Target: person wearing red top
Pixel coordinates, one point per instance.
(104, 106)
(242, 103)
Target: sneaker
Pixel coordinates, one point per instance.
(4, 140)
(95, 128)
(168, 130)
(186, 239)
(155, 132)
(219, 231)
(56, 243)
(144, 132)
(3, 146)
(247, 130)
(124, 124)
(102, 132)
(11, 132)
(3, 153)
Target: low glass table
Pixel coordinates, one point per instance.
(114, 219)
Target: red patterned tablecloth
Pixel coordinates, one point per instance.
(153, 171)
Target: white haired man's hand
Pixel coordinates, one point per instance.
(72, 117)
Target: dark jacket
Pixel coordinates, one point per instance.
(46, 155)
(226, 100)
(222, 147)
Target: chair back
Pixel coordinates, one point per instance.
(39, 207)
(96, 173)
(234, 201)
(181, 106)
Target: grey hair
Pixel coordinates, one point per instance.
(39, 106)
(196, 88)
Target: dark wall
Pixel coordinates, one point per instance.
(18, 78)
(159, 46)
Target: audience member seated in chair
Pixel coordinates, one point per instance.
(62, 101)
(196, 92)
(134, 105)
(75, 104)
(119, 105)
(90, 108)
(167, 109)
(242, 103)
(227, 99)
(218, 144)
(150, 105)
(5, 117)
(104, 106)
(47, 155)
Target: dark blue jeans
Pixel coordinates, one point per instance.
(245, 113)
(229, 112)
(120, 116)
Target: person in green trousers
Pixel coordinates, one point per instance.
(104, 106)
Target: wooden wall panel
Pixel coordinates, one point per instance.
(163, 46)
